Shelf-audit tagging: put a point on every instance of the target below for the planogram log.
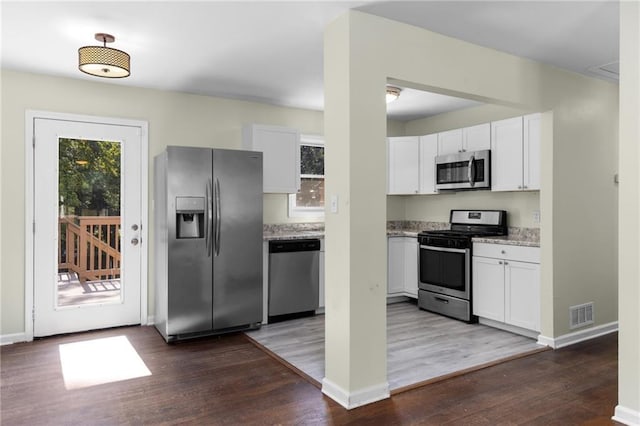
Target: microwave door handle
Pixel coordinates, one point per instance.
(471, 171)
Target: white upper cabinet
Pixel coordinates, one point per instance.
(515, 153)
(531, 151)
(281, 156)
(450, 142)
(403, 167)
(474, 138)
(506, 154)
(428, 153)
(411, 164)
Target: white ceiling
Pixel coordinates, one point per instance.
(272, 51)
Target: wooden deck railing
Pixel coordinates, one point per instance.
(89, 246)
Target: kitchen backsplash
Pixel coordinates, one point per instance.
(415, 225)
(525, 234)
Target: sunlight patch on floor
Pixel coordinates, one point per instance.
(98, 361)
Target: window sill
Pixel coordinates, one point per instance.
(306, 213)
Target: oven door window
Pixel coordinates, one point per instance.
(444, 269)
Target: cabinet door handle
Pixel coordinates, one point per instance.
(500, 262)
(506, 263)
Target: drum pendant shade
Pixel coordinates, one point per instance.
(103, 61)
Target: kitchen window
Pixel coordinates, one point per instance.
(309, 201)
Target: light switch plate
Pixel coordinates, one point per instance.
(334, 204)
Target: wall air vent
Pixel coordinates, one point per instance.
(581, 315)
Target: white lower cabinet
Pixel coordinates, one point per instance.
(395, 265)
(522, 294)
(506, 285)
(411, 267)
(488, 288)
(402, 267)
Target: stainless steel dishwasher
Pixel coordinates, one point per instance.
(294, 276)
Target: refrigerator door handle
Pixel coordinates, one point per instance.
(208, 228)
(218, 219)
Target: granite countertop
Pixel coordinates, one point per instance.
(292, 235)
(292, 231)
(508, 240)
(526, 237)
(401, 233)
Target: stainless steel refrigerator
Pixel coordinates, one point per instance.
(208, 241)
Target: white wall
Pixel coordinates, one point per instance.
(174, 119)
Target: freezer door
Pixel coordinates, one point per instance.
(189, 264)
(237, 238)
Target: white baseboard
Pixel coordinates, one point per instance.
(578, 336)
(626, 416)
(150, 320)
(508, 327)
(8, 339)
(355, 399)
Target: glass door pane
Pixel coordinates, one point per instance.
(89, 225)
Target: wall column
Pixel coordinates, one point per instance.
(628, 409)
(355, 234)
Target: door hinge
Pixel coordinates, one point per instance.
(33, 141)
(33, 314)
(34, 226)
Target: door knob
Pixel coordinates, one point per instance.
(134, 227)
(135, 241)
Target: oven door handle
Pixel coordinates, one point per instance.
(450, 250)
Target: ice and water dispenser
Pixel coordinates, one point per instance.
(190, 217)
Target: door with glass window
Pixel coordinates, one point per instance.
(87, 226)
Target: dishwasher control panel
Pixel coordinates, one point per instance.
(284, 246)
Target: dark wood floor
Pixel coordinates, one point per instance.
(228, 381)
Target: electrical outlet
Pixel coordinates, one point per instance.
(536, 216)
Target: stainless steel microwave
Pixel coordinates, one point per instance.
(464, 170)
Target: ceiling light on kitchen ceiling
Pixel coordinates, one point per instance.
(392, 93)
(103, 61)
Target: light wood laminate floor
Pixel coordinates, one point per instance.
(421, 346)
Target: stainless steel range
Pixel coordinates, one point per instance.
(444, 284)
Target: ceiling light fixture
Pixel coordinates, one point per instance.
(103, 61)
(392, 93)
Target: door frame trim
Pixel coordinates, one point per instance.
(29, 132)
